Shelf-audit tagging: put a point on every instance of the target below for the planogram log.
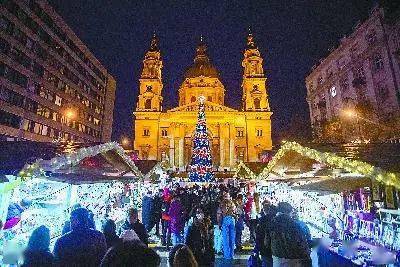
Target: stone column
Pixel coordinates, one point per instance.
(171, 151)
(222, 151)
(231, 152)
(181, 151)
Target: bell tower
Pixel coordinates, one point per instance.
(150, 89)
(255, 97)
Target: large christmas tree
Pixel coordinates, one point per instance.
(201, 164)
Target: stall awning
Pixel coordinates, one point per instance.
(69, 162)
(380, 162)
(335, 185)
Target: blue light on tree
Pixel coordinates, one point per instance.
(201, 163)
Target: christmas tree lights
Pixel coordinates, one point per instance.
(201, 163)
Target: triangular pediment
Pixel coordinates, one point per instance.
(209, 106)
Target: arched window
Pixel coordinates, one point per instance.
(193, 99)
(257, 103)
(147, 104)
(209, 98)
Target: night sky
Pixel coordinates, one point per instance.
(292, 36)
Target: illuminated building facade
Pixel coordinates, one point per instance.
(52, 87)
(235, 135)
(362, 75)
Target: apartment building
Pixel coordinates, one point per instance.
(51, 86)
(353, 93)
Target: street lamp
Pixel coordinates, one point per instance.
(351, 113)
(125, 142)
(70, 114)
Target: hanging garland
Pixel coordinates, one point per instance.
(249, 172)
(354, 166)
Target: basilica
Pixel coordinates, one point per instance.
(235, 135)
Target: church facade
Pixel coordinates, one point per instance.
(235, 135)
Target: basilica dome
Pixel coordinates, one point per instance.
(202, 65)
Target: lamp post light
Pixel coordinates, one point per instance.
(351, 113)
(125, 141)
(70, 114)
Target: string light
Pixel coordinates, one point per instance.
(354, 166)
(37, 169)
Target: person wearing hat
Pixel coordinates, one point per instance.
(288, 243)
(82, 246)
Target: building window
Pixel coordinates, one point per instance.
(149, 88)
(147, 104)
(38, 69)
(333, 91)
(11, 97)
(310, 87)
(55, 116)
(164, 132)
(9, 119)
(377, 63)
(13, 75)
(146, 132)
(239, 132)
(37, 128)
(58, 100)
(257, 103)
(320, 80)
(209, 98)
(193, 99)
(259, 132)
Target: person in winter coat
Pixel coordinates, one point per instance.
(147, 210)
(177, 221)
(81, 246)
(251, 211)
(133, 223)
(200, 239)
(264, 228)
(228, 229)
(303, 228)
(165, 219)
(157, 211)
(67, 224)
(217, 227)
(110, 233)
(289, 245)
(239, 212)
(37, 252)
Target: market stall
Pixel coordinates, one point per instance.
(100, 177)
(348, 193)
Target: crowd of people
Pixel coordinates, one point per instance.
(196, 223)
